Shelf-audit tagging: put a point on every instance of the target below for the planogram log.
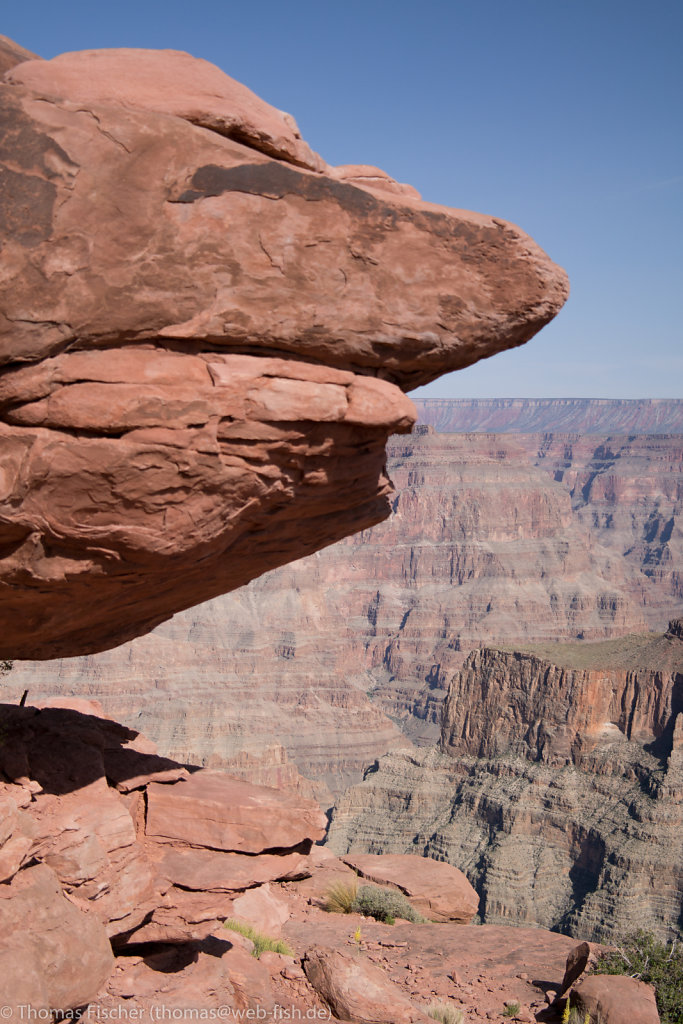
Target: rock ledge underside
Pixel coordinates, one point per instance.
(206, 333)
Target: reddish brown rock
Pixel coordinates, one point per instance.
(436, 889)
(11, 54)
(211, 871)
(214, 810)
(612, 999)
(581, 959)
(558, 702)
(178, 954)
(263, 909)
(357, 991)
(132, 858)
(183, 407)
(51, 954)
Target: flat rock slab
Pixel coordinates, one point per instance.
(210, 871)
(475, 968)
(263, 909)
(357, 991)
(437, 890)
(213, 810)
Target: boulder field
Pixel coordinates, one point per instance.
(119, 869)
(206, 333)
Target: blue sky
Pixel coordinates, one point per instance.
(562, 116)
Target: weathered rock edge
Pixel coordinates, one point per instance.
(205, 333)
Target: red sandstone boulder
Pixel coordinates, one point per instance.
(213, 810)
(581, 959)
(51, 954)
(262, 909)
(356, 990)
(201, 367)
(612, 999)
(213, 871)
(437, 890)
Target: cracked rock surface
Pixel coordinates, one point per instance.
(205, 337)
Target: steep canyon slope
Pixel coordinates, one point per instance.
(557, 787)
(339, 656)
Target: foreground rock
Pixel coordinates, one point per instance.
(153, 868)
(142, 850)
(184, 406)
(616, 1000)
(580, 961)
(437, 890)
(52, 955)
(358, 991)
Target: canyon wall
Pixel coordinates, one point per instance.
(341, 656)
(557, 788)
(558, 415)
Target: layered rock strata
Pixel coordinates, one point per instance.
(493, 539)
(553, 415)
(557, 789)
(204, 336)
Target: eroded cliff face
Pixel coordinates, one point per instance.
(557, 788)
(205, 334)
(492, 539)
(524, 704)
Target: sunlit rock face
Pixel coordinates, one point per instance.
(206, 333)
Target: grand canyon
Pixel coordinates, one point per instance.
(253, 657)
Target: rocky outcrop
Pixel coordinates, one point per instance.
(564, 813)
(183, 406)
(130, 847)
(122, 843)
(437, 890)
(553, 415)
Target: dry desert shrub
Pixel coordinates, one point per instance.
(262, 943)
(445, 1014)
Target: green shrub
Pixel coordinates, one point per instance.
(446, 1014)
(385, 905)
(511, 1009)
(262, 943)
(372, 901)
(660, 964)
(341, 897)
